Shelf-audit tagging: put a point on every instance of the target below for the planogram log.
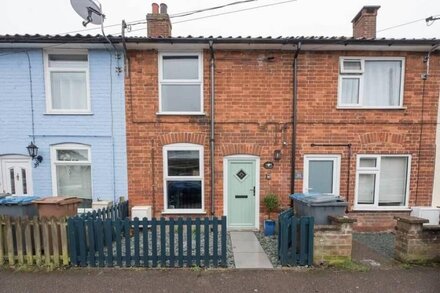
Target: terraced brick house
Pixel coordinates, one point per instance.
(214, 124)
(64, 95)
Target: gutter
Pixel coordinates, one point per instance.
(99, 39)
(212, 130)
(284, 41)
(294, 119)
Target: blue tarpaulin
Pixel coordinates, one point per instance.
(18, 200)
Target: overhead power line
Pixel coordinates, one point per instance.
(235, 11)
(226, 13)
(428, 20)
(182, 14)
(399, 25)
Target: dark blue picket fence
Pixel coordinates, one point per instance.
(295, 239)
(147, 243)
(116, 211)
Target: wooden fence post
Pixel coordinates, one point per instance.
(28, 241)
(37, 240)
(10, 242)
(2, 241)
(215, 241)
(55, 244)
(224, 241)
(46, 236)
(19, 240)
(189, 254)
(206, 244)
(64, 241)
(180, 240)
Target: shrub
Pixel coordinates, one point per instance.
(272, 203)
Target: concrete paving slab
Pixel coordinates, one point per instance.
(246, 236)
(246, 246)
(252, 260)
(248, 253)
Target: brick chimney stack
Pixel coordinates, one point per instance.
(158, 21)
(364, 23)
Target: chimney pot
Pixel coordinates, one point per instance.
(364, 23)
(155, 8)
(163, 8)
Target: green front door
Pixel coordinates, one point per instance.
(241, 193)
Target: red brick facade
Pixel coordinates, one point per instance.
(253, 107)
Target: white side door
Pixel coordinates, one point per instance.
(17, 176)
(321, 174)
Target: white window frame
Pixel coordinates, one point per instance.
(54, 162)
(360, 74)
(47, 73)
(345, 71)
(180, 81)
(183, 147)
(361, 88)
(376, 171)
(336, 170)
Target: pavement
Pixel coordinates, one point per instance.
(247, 250)
(415, 279)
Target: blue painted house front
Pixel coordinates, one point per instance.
(69, 101)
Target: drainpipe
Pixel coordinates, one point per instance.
(425, 76)
(294, 119)
(211, 139)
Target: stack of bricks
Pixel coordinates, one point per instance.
(333, 243)
(416, 242)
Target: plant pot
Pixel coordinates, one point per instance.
(269, 227)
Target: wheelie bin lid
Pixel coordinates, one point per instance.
(315, 197)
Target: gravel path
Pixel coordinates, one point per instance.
(382, 243)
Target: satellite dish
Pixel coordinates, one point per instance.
(89, 10)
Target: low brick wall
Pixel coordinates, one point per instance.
(375, 221)
(417, 243)
(333, 243)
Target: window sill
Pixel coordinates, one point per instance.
(369, 108)
(69, 114)
(377, 209)
(183, 212)
(181, 114)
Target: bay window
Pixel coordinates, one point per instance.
(382, 181)
(371, 82)
(183, 178)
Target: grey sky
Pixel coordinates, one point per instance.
(300, 18)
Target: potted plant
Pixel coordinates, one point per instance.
(272, 203)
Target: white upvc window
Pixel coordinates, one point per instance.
(382, 182)
(67, 82)
(371, 82)
(181, 83)
(322, 174)
(71, 170)
(183, 178)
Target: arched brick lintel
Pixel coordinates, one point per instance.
(241, 149)
(382, 137)
(182, 137)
